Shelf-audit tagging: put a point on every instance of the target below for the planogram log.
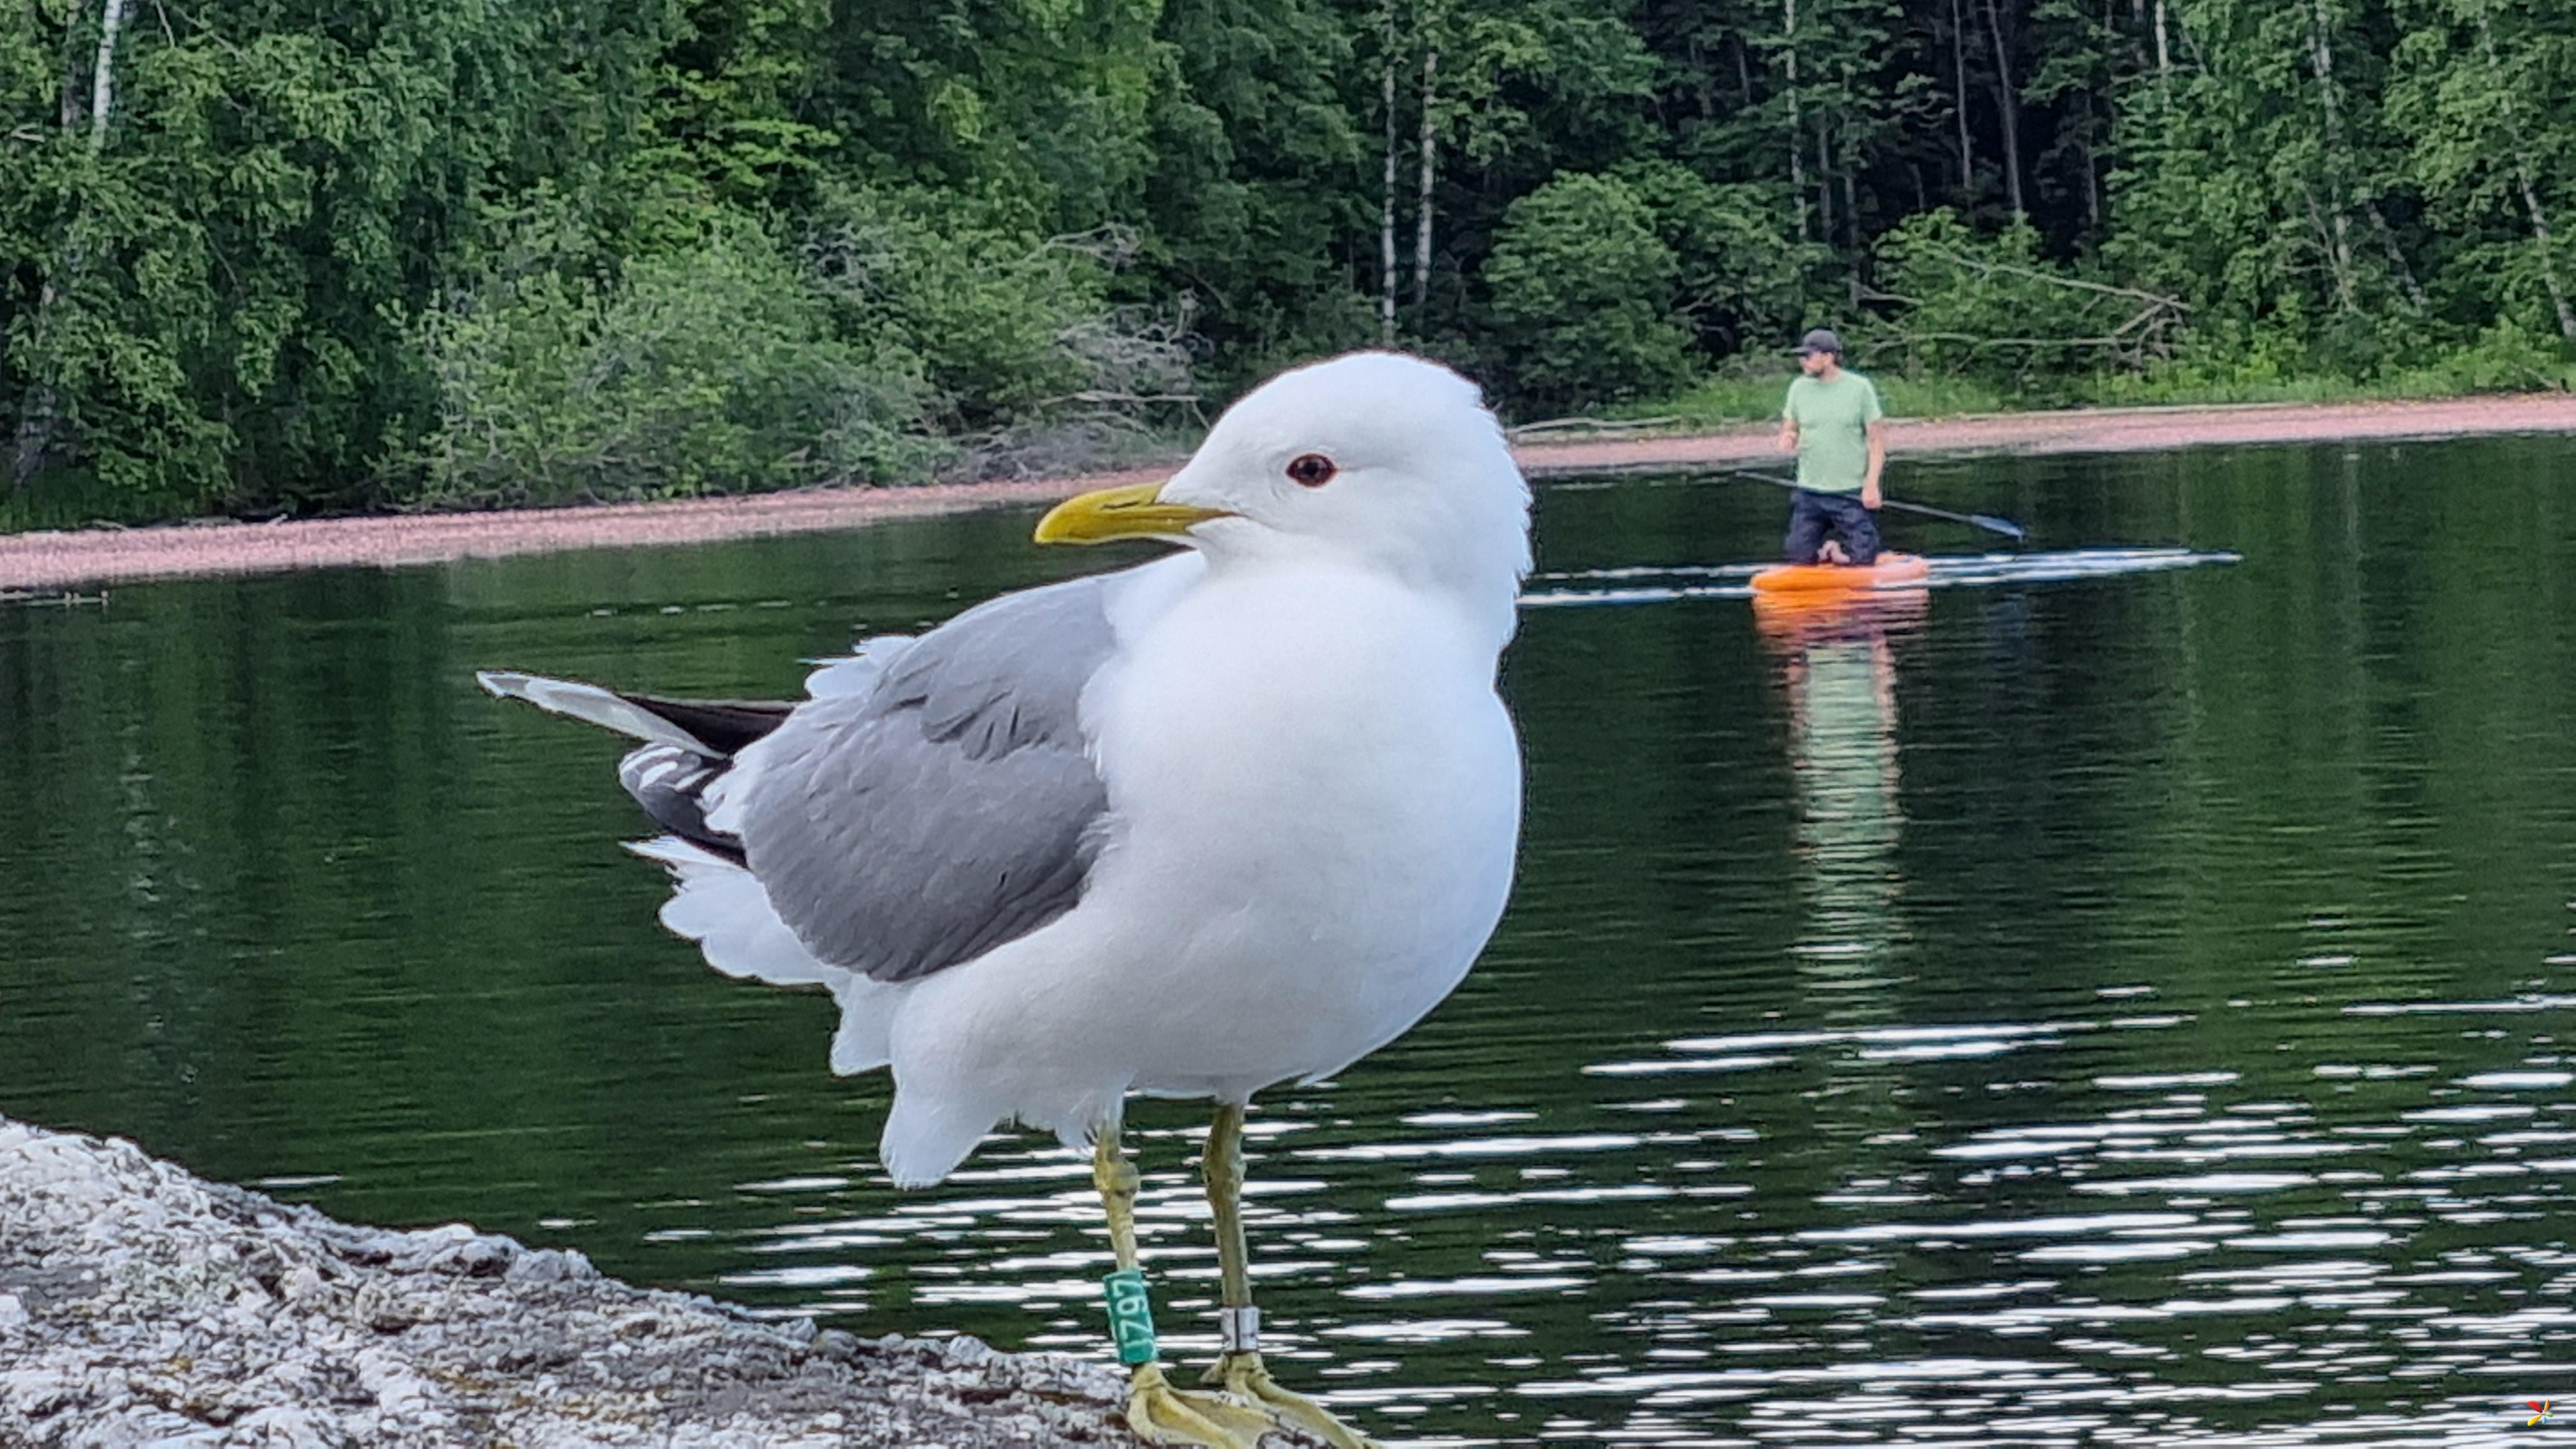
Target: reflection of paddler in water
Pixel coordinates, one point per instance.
(1839, 666)
(1837, 658)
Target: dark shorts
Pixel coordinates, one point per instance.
(1814, 515)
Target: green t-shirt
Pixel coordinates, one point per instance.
(1833, 421)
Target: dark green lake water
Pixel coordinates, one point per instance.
(2121, 1010)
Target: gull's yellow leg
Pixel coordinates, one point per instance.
(1159, 1413)
(1240, 1368)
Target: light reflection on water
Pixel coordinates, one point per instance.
(2074, 1007)
(2144, 1257)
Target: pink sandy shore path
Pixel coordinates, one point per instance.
(57, 561)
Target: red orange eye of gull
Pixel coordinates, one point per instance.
(1311, 470)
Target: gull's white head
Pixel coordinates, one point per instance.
(1375, 458)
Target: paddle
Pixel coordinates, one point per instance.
(2004, 526)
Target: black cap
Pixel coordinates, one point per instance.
(1820, 340)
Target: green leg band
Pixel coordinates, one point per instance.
(1131, 1316)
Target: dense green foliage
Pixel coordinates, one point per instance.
(266, 254)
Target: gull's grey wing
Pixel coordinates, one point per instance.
(947, 809)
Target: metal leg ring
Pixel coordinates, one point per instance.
(1239, 1329)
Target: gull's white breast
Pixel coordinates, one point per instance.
(1314, 801)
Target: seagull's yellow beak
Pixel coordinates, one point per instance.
(1136, 511)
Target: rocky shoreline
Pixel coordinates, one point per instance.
(141, 1305)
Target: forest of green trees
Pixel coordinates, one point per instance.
(271, 255)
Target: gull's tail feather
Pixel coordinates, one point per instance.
(713, 728)
(719, 905)
(688, 744)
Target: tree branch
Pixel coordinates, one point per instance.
(1987, 268)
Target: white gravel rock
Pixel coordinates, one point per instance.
(140, 1305)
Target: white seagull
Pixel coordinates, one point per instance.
(1237, 816)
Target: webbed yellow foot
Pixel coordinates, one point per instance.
(1243, 1376)
(1162, 1414)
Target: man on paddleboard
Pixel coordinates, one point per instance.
(1833, 421)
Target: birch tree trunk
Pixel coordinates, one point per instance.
(1797, 127)
(2008, 101)
(37, 409)
(1959, 74)
(71, 102)
(1824, 183)
(102, 86)
(2540, 234)
(2338, 215)
(2397, 263)
(1386, 198)
(2092, 172)
(1851, 202)
(2095, 130)
(2548, 253)
(1422, 202)
(40, 411)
